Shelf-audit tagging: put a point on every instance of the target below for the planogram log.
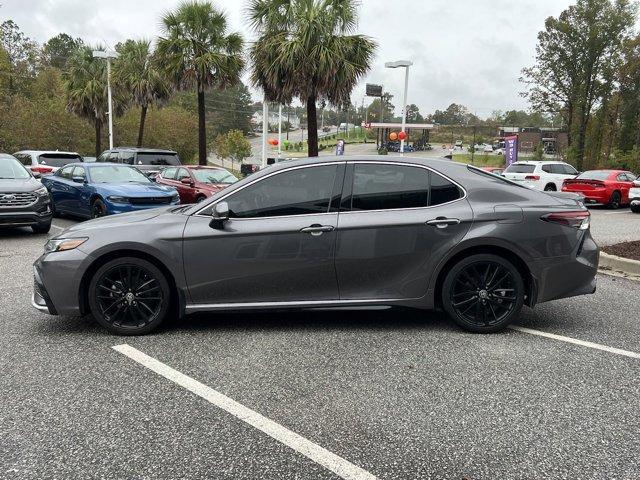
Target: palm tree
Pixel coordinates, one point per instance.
(196, 50)
(307, 49)
(86, 85)
(137, 72)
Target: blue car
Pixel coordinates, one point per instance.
(93, 190)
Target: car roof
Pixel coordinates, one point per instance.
(142, 149)
(40, 152)
(538, 162)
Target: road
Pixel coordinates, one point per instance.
(394, 394)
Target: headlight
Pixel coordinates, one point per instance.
(634, 192)
(175, 197)
(63, 244)
(116, 199)
(42, 192)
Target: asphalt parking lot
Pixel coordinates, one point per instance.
(389, 394)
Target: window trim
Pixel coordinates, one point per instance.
(348, 163)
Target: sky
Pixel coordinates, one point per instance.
(469, 52)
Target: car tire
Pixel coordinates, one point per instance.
(614, 201)
(635, 208)
(129, 296)
(483, 293)
(41, 228)
(200, 198)
(550, 188)
(98, 208)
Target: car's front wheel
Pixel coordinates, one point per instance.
(41, 227)
(98, 208)
(635, 208)
(129, 296)
(614, 202)
(483, 293)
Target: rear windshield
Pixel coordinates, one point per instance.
(157, 158)
(520, 168)
(58, 159)
(594, 175)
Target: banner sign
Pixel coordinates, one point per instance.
(374, 90)
(510, 149)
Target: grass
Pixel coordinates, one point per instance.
(480, 159)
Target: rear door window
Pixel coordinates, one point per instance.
(569, 170)
(157, 158)
(169, 173)
(66, 173)
(127, 157)
(24, 159)
(183, 173)
(384, 187)
(442, 190)
(58, 159)
(79, 172)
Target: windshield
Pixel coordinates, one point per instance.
(520, 168)
(594, 175)
(214, 176)
(157, 158)
(58, 159)
(117, 174)
(12, 169)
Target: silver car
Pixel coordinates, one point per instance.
(328, 232)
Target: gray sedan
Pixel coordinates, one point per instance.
(328, 232)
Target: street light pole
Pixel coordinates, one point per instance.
(406, 64)
(108, 55)
(279, 130)
(265, 122)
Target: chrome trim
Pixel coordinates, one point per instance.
(195, 307)
(380, 162)
(42, 308)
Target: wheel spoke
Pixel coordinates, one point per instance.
(464, 302)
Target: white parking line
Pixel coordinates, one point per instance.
(617, 213)
(57, 227)
(318, 454)
(575, 341)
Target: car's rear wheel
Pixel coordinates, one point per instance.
(483, 293)
(635, 208)
(129, 296)
(98, 208)
(614, 202)
(41, 227)
(200, 198)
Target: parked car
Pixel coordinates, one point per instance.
(196, 183)
(458, 144)
(540, 175)
(46, 162)
(634, 197)
(24, 202)
(92, 190)
(148, 160)
(400, 231)
(602, 187)
(494, 170)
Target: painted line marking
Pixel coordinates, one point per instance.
(617, 213)
(314, 452)
(575, 341)
(56, 226)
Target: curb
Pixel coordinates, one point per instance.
(619, 264)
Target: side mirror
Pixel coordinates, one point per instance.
(219, 216)
(186, 181)
(78, 179)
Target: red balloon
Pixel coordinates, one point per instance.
(393, 136)
(402, 135)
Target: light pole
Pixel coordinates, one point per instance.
(279, 130)
(265, 125)
(406, 64)
(108, 54)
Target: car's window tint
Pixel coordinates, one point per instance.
(569, 170)
(443, 190)
(302, 191)
(183, 173)
(79, 172)
(631, 177)
(24, 159)
(381, 187)
(58, 159)
(157, 158)
(548, 168)
(520, 168)
(65, 172)
(127, 157)
(169, 173)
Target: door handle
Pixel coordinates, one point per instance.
(317, 229)
(442, 222)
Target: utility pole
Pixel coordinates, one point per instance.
(279, 130)
(108, 55)
(288, 122)
(265, 122)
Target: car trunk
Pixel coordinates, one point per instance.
(582, 185)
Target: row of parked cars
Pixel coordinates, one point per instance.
(120, 180)
(609, 187)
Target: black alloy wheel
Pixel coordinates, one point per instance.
(129, 296)
(483, 293)
(550, 188)
(614, 203)
(98, 208)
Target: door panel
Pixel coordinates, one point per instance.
(260, 260)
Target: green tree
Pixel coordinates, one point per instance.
(229, 109)
(137, 73)
(239, 146)
(413, 114)
(576, 60)
(307, 49)
(387, 111)
(221, 147)
(630, 96)
(22, 53)
(57, 50)
(196, 50)
(86, 86)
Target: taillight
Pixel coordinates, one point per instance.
(532, 177)
(579, 220)
(41, 169)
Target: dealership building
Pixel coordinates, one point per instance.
(554, 140)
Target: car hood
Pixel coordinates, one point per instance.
(11, 185)
(116, 220)
(134, 189)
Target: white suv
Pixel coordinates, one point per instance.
(542, 175)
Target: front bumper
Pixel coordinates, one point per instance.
(37, 214)
(116, 208)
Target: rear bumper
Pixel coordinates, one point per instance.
(592, 197)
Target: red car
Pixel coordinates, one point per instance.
(602, 187)
(195, 183)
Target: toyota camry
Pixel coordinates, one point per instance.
(411, 232)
